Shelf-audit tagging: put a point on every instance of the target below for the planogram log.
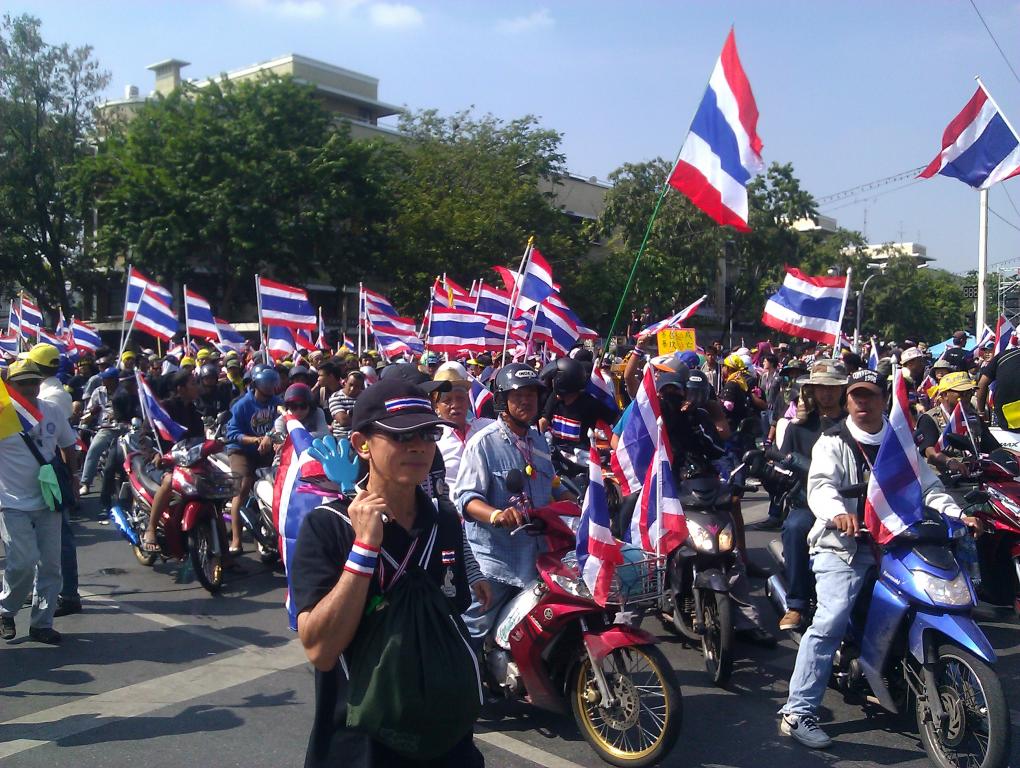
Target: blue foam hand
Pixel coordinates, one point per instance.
(339, 461)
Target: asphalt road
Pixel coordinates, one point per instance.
(156, 672)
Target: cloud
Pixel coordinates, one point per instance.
(300, 10)
(395, 15)
(540, 19)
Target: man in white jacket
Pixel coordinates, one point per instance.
(842, 457)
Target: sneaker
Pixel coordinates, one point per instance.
(67, 605)
(46, 635)
(83, 490)
(805, 729)
(791, 620)
(7, 628)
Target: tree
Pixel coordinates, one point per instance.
(230, 179)
(47, 97)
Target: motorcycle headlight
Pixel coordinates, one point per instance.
(944, 591)
(575, 587)
(726, 538)
(700, 537)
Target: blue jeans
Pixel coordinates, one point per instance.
(480, 623)
(799, 582)
(68, 559)
(100, 443)
(837, 584)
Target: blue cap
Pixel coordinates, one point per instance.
(110, 373)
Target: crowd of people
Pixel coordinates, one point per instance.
(436, 466)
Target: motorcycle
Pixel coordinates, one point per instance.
(571, 468)
(556, 648)
(191, 526)
(257, 515)
(911, 634)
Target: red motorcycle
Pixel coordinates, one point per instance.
(557, 649)
(192, 525)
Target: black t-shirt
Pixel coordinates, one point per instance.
(212, 404)
(186, 415)
(569, 423)
(324, 542)
(1004, 370)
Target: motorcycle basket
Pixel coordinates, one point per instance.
(218, 485)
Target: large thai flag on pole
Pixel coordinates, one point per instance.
(378, 302)
(636, 446)
(659, 524)
(673, 321)
(979, 147)
(228, 336)
(158, 419)
(809, 307)
(292, 499)
(137, 283)
(285, 305)
(155, 317)
(598, 552)
(536, 284)
(895, 498)
(198, 317)
(14, 319)
(583, 330)
(556, 329)
(280, 342)
(492, 301)
(31, 318)
(85, 336)
(452, 330)
(722, 150)
(51, 338)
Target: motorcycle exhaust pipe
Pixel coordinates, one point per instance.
(125, 528)
(775, 589)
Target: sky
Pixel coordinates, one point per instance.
(848, 92)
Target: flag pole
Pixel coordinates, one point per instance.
(842, 309)
(125, 337)
(21, 319)
(127, 293)
(262, 335)
(187, 330)
(515, 295)
(361, 298)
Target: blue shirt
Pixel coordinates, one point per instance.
(250, 418)
(488, 458)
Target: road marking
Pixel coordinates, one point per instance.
(55, 723)
(199, 630)
(525, 750)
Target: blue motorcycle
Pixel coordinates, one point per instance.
(911, 636)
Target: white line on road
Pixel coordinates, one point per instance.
(525, 750)
(248, 664)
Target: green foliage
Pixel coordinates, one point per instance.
(47, 95)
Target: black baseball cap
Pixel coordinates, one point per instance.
(394, 405)
(413, 375)
(866, 378)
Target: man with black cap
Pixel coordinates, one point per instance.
(842, 456)
(344, 560)
(29, 519)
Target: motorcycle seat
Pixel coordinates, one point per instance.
(150, 477)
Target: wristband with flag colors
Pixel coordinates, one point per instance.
(361, 561)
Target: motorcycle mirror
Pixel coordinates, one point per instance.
(515, 481)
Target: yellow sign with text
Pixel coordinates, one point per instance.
(676, 340)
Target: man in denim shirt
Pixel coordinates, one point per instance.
(483, 500)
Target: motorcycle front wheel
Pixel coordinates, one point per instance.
(978, 730)
(207, 564)
(642, 725)
(717, 640)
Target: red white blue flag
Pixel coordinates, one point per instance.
(229, 338)
(137, 284)
(9, 344)
(492, 301)
(198, 317)
(659, 524)
(601, 388)
(598, 552)
(29, 415)
(636, 446)
(280, 342)
(808, 307)
(158, 418)
(284, 305)
(155, 317)
(1003, 335)
(85, 336)
(14, 320)
(480, 395)
(31, 318)
(722, 150)
(978, 146)
(956, 424)
(673, 321)
(895, 498)
(452, 330)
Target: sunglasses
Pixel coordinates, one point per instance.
(425, 434)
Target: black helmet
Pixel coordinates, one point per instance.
(208, 370)
(698, 388)
(569, 377)
(512, 377)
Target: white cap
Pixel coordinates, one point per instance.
(910, 354)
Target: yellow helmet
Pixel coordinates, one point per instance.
(45, 355)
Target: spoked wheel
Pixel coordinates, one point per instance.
(640, 726)
(207, 564)
(977, 733)
(717, 641)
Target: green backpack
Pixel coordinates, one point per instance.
(414, 682)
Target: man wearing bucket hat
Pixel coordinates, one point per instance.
(30, 516)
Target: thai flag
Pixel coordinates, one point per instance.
(293, 499)
(492, 301)
(451, 330)
(392, 325)
(280, 342)
(14, 320)
(598, 553)
(673, 321)
(31, 318)
(565, 429)
(636, 446)
(480, 395)
(376, 301)
(583, 330)
(602, 389)
(396, 345)
(978, 146)
(137, 284)
(895, 498)
(537, 283)
(29, 415)
(659, 524)
(555, 329)
(986, 335)
(9, 344)
(722, 150)
(873, 357)
(155, 317)
(348, 343)
(63, 329)
(284, 305)
(1003, 335)
(320, 342)
(447, 294)
(806, 306)
(199, 317)
(46, 337)
(229, 338)
(158, 419)
(956, 424)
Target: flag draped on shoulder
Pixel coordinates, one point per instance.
(722, 151)
(16, 413)
(598, 553)
(895, 499)
(978, 146)
(636, 446)
(807, 306)
(158, 418)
